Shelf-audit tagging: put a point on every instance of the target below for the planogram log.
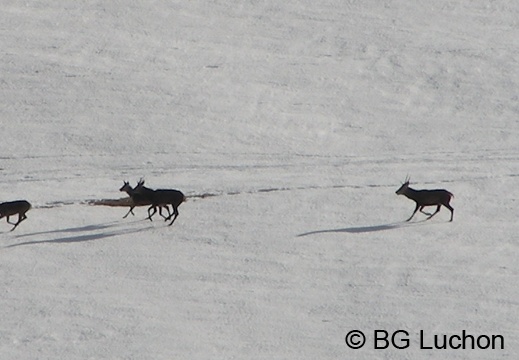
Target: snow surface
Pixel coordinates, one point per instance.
(301, 118)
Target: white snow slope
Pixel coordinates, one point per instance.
(302, 118)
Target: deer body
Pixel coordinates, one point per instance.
(163, 197)
(423, 198)
(10, 208)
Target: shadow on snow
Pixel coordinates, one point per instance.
(89, 230)
(365, 229)
(85, 228)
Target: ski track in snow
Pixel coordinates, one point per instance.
(447, 159)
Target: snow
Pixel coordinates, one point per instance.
(289, 126)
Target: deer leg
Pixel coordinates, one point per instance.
(21, 217)
(7, 219)
(166, 218)
(175, 212)
(170, 214)
(423, 212)
(153, 213)
(167, 209)
(129, 211)
(451, 209)
(414, 212)
(434, 213)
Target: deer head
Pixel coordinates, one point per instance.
(404, 186)
(126, 186)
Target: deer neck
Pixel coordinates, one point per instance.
(410, 193)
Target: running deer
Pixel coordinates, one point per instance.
(424, 198)
(142, 197)
(10, 208)
(163, 197)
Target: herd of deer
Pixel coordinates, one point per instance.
(162, 198)
(141, 195)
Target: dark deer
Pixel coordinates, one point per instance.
(424, 198)
(141, 197)
(10, 208)
(164, 197)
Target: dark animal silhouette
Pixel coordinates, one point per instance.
(142, 197)
(423, 198)
(163, 197)
(10, 208)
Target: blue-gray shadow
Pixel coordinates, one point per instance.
(80, 237)
(364, 229)
(93, 227)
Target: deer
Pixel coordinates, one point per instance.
(141, 197)
(423, 198)
(10, 208)
(163, 197)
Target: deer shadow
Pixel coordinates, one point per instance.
(93, 227)
(82, 233)
(365, 229)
